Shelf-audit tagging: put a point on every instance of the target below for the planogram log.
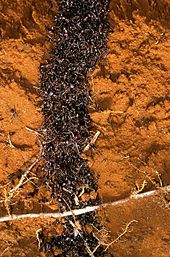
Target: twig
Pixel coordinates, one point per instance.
(22, 180)
(9, 141)
(7, 202)
(5, 250)
(104, 235)
(92, 142)
(88, 249)
(122, 234)
(49, 215)
(9, 195)
(38, 237)
(77, 212)
(34, 131)
(139, 189)
(77, 232)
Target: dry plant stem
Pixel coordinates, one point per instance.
(22, 180)
(10, 142)
(92, 142)
(88, 250)
(9, 195)
(85, 243)
(122, 234)
(7, 202)
(77, 212)
(6, 249)
(37, 234)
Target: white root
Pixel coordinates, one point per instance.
(88, 209)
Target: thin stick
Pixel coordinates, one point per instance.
(9, 195)
(77, 212)
(122, 234)
(23, 177)
(92, 142)
(49, 215)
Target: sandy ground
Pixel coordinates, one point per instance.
(130, 107)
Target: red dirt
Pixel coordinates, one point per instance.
(24, 45)
(130, 105)
(131, 108)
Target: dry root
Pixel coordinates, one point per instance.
(77, 212)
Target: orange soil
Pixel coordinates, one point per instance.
(131, 109)
(130, 104)
(24, 45)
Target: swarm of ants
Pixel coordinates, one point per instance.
(79, 38)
